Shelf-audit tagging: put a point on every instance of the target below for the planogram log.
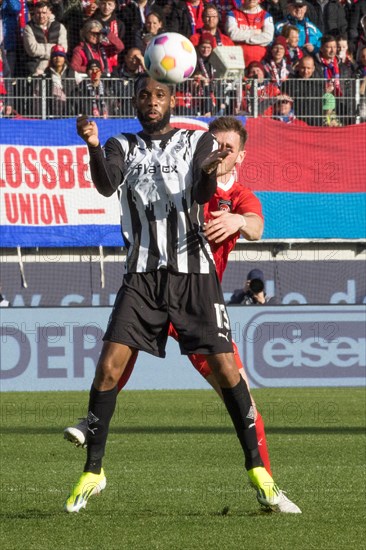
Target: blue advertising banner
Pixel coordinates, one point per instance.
(58, 348)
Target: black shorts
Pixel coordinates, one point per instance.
(147, 302)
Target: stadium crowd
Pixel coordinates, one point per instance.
(305, 60)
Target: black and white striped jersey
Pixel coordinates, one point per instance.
(156, 178)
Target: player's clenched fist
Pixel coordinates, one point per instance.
(87, 130)
(213, 160)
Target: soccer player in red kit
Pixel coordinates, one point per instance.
(233, 210)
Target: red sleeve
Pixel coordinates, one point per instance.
(78, 60)
(248, 202)
(116, 45)
(226, 41)
(195, 38)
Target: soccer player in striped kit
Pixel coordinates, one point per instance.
(163, 176)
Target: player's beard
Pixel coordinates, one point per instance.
(154, 126)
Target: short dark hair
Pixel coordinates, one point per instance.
(159, 15)
(210, 7)
(229, 124)
(144, 76)
(41, 4)
(287, 29)
(327, 38)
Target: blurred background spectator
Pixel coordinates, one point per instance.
(76, 13)
(306, 91)
(293, 51)
(175, 15)
(92, 47)
(343, 52)
(250, 27)
(328, 16)
(154, 25)
(131, 66)
(95, 96)
(211, 20)
(357, 26)
(257, 86)
(10, 33)
(106, 14)
(203, 91)
(338, 77)
(283, 110)
(361, 73)
(276, 8)
(309, 34)
(193, 13)
(61, 86)
(133, 14)
(41, 33)
(276, 68)
(253, 291)
(329, 110)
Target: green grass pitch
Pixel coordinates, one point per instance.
(175, 477)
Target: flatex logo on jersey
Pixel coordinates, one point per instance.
(324, 347)
(142, 169)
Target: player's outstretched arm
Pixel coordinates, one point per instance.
(206, 182)
(213, 160)
(224, 224)
(106, 176)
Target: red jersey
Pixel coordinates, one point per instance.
(220, 39)
(235, 198)
(240, 25)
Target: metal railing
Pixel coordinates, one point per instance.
(315, 101)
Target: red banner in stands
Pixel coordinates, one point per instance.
(285, 158)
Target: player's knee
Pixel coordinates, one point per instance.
(224, 367)
(107, 375)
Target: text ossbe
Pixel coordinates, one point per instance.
(44, 186)
(44, 167)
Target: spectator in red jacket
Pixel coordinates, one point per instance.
(106, 14)
(194, 11)
(211, 20)
(251, 28)
(257, 90)
(92, 47)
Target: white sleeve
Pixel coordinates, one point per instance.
(233, 31)
(62, 37)
(266, 36)
(250, 36)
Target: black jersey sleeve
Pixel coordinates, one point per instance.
(107, 168)
(204, 185)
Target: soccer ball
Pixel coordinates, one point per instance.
(170, 58)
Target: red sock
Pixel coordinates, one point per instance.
(262, 443)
